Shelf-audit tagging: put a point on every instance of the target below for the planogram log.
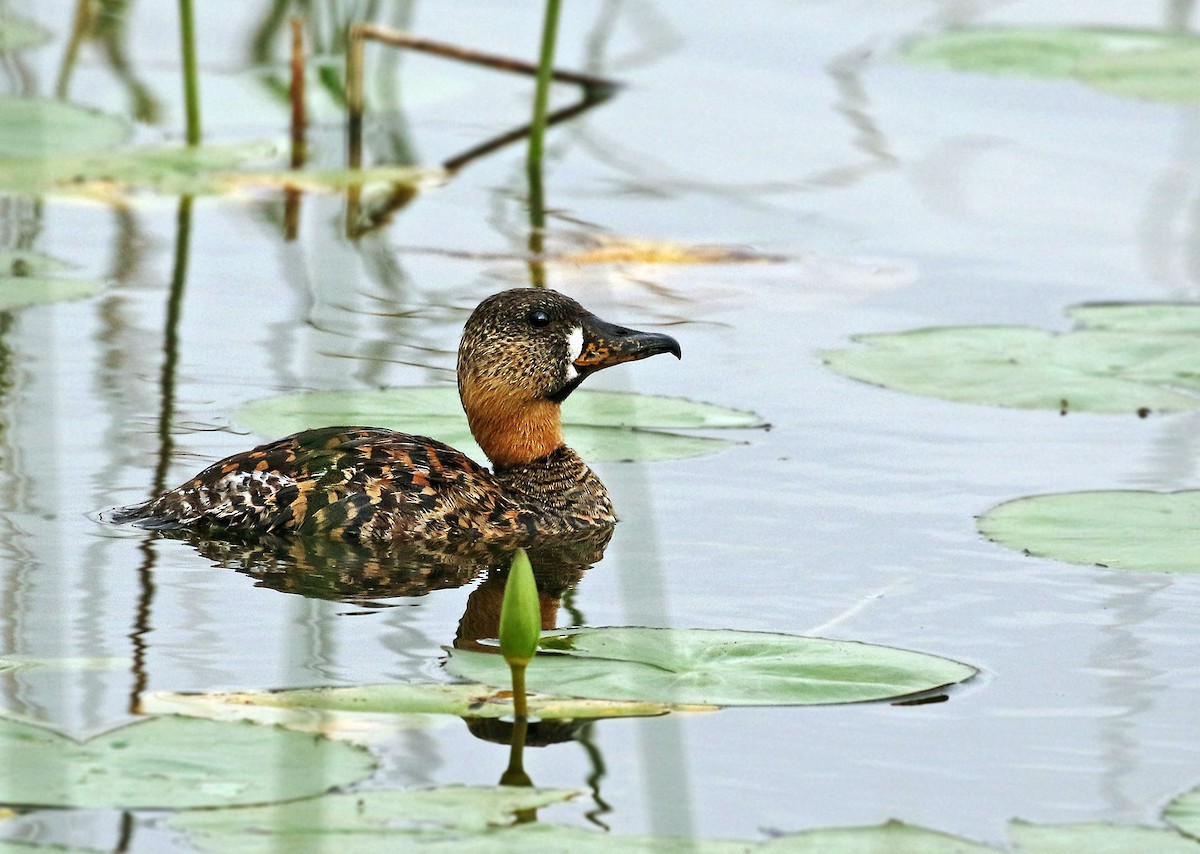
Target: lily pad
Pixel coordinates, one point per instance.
(171, 762)
(1146, 64)
(15, 263)
(716, 667)
(367, 822)
(16, 846)
(1184, 813)
(17, 662)
(173, 170)
(33, 128)
(30, 290)
(24, 281)
(1129, 529)
(18, 33)
(360, 713)
(893, 837)
(1097, 839)
(1120, 358)
(599, 425)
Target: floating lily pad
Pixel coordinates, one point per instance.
(360, 713)
(1097, 839)
(24, 281)
(16, 846)
(32, 128)
(451, 818)
(1147, 64)
(11, 662)
(30, 290)
(716, 667)
(367, 822)
(18, 33)
(15, 263)
(1152, 531)
(171, 762)
(599, 425)
(1184, 813)
(893, 837)
(1120, 358)
(184, 171)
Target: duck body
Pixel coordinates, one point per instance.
(522, 353)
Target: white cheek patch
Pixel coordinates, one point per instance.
(574, 351)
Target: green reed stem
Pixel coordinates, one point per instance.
(541, 99)
(191, 78)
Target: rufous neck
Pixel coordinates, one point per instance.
(511, 433)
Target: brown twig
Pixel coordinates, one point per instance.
(458, 161)
(299, 112)
(398, 38)
(291, 203)
(595, 91)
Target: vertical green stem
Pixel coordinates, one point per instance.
(541, 96)
(537, 134)
(520, 703)
(191, 79)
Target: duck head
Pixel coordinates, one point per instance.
(523, 351)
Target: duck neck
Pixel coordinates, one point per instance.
(514, 434)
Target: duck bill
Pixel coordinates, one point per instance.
(605, 344)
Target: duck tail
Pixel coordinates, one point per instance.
(151, 515)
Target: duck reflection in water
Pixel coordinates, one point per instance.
(366, 573)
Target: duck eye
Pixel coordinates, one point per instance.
(538, 318)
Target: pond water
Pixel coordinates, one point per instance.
(891, 196)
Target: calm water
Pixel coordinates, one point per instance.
(901, 197)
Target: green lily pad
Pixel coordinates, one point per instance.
(15, 263)
(599, 425)
(16, 846)
(1151, 531)
(171, 762)
(166, 170)
(1097, 839)
(716, 667)
(18, 33)
(204, 170)
(24, 281)
(1120, 358)
(477, 819)
(363, 712)
(15, 662)
(893, 837)
(1184, 813)
(1146, 64)
(32, 128)
(29, 290)
(452, 818)
(367, 822)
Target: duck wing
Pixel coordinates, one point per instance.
(353, 483)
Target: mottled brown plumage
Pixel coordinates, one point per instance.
(522, 352)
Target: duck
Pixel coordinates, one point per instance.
(523, 351)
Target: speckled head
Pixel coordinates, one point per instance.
(522, 352)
